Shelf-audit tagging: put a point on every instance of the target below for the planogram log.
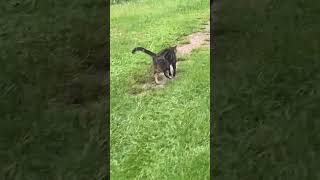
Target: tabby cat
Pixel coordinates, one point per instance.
(161, 61)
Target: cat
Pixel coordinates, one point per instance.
(162, 61)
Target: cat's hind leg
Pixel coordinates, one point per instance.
(156, 76)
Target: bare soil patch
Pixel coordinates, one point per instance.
(196, 40)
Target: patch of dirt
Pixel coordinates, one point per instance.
(196, 40)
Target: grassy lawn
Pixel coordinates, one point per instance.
(267, 90)
(163, 133)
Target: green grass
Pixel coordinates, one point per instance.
(120, 1)
(162, 133)
(52, 90)
(267, 90)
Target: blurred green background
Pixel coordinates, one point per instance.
(267, 90)
(53, 70)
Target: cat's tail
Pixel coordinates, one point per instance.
(143, 50)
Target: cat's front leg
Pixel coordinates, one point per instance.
(165, 73)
